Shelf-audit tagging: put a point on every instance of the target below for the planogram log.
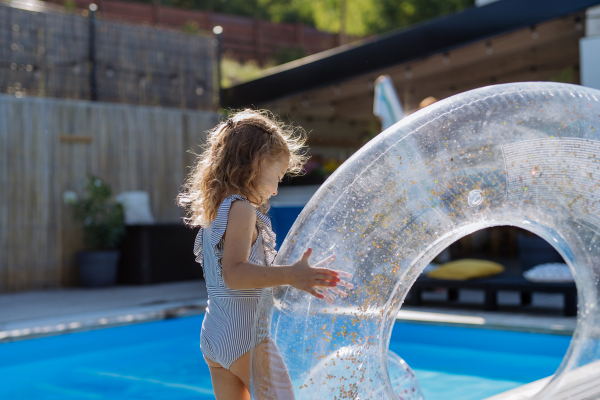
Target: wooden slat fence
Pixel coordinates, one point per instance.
(244, 38)
(131, 148)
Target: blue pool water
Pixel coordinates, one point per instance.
(162, 360)
(472, 364)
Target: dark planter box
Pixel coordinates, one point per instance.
(158, 253)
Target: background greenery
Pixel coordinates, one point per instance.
(363, 17)
(102, 217)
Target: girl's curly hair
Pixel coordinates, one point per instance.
(231, 161)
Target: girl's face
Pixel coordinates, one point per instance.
(271, 173)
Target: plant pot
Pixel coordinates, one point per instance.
(97, 268)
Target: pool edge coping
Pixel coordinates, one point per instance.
(124, 317)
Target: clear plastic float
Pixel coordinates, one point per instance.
(522, 154)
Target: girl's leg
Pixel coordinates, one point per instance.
(226, 384)
(241, 369)
(272, 380)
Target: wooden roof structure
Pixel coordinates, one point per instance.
(331, 94)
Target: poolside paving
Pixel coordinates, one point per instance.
(48, 312)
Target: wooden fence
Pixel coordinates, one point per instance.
(244, 38)
(48, 146)
(51, 54)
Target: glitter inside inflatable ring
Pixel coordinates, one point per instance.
(523, 154)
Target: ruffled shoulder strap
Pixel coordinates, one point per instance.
(268, 237)
(219, 225)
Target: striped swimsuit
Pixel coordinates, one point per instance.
(227, 326)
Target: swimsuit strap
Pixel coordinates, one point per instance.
(219, 225)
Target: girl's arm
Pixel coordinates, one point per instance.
(239, 274)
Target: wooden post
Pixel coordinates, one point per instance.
(525, 298)
(299, 34)
(342, 35)
(208, 20)
(92, 53)
(452, 294)
(219, 59)
(156, 12)
(491, 300)
(257, 39)
(570, 309)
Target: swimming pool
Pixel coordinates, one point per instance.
(160, 360)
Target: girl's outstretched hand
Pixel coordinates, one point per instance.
(342, 282)
(335, 290)
(307, 278)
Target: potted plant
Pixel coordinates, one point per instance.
(103, 228)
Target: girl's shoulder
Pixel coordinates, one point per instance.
(242, 209)
(219, 225)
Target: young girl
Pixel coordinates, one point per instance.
(227, 195)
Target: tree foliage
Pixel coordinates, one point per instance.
(363, 17)
(393, 14)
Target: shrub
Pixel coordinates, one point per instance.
(102, 217)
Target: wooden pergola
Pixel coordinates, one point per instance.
(483, 46)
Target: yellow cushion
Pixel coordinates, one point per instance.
(461, 270)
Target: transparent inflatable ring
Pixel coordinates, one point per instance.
(523, 154)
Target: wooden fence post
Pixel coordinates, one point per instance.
(92, 53)
(258, 46)
(208, 20)
(299, 34)
(156, 12)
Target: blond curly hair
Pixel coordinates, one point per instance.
(232, 159)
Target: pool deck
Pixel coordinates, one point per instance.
(32, 314)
